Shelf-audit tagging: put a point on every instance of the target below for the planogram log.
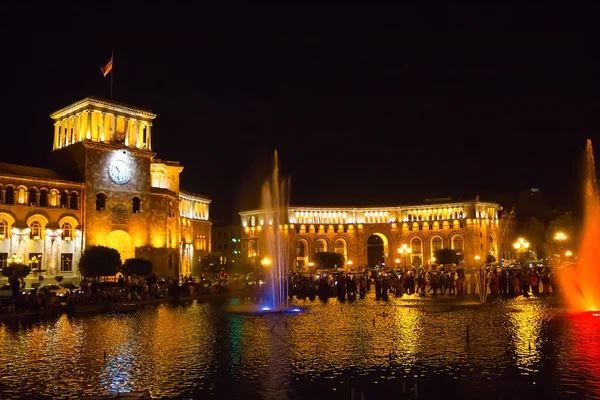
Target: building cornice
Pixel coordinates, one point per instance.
(73, 184)
(195, 197)
(102, 105)
(108, 146)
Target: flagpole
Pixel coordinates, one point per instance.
(112, 73)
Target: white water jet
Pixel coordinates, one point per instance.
(274, 205)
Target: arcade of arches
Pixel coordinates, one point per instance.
(380, 248)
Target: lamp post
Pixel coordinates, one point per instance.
(560, 238)
(432, 260)
(405, 251)
(521, 245)
(350, 264)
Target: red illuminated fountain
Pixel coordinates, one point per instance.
(582, 285)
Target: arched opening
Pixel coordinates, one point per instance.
(341, 246)
(458, 245)
(43, 198)
(493, 246)
(252, 250)
(100, 202)
(32, 197)
(320, 246)
(302, 254)
(36, 230)
(435, 244)
(67, 231)
(416, 255)
(3, 229)
(9, 195)
(64, 200)
(136, 205)
(376, 250)
(74, 201)
(121, 241)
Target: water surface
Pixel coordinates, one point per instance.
(519, 349)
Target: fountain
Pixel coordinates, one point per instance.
(274, 201)
(582, 285)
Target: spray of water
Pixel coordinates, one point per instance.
(274, 205)
(582, 285)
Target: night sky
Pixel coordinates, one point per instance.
(387, 107)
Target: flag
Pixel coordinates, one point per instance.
(107, 68)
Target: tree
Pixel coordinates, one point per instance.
(137, 266)
(445, 256)
(16, 270)
(328, 260)
(100, 261)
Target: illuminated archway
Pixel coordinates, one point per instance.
(436, 242)
(377, 249)
(122, 242)
(416, 246)
(302, 252)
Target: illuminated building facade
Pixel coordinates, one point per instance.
(398, 236)
(106, 187)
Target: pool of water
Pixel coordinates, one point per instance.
(517, 349)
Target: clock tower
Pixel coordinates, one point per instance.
(108, 145)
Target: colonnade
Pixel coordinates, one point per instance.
(101, 126)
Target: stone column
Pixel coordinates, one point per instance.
(76, 128)
(136, 138)
(56, 135)
(148, 137)
(88, 124)
(64, 127)
(101, 130)
(113, 137)
(126, 130)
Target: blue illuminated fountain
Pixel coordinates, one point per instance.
(274, 205)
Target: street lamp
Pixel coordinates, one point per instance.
(266, 262)
(477, 258)
(561, 237)
(568, 253)
(350, 263)
(405, 251)
(397, 261)
(432, 260)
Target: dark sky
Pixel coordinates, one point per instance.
(366, 106)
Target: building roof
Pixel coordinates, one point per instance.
(25, 171)
(102, 104)
(158, 190)
(197, 196)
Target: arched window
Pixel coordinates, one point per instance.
(200, 242)
(3, 228)
(321, 246)
(436, 244)
(9, 195)
(73, 201)
(457, 243)
(100, 202)
(43, 198)
(36, 230)
(67, 231)
(340, 247)
(32, 198)
(136, 205)
(21, 195)
(416, 246)
(64, 200)
(300, 249)
(252, 248)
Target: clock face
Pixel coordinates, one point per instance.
(119, 172)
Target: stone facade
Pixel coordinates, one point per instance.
(109, 189)
(471, 228)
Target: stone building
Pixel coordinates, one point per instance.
(106, 187)
(397, 236)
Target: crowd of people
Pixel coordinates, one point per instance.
(421, 282)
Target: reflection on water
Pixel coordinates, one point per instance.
(522, 348)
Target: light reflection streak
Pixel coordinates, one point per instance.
(527, 326)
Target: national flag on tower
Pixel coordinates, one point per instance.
(108, 67)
